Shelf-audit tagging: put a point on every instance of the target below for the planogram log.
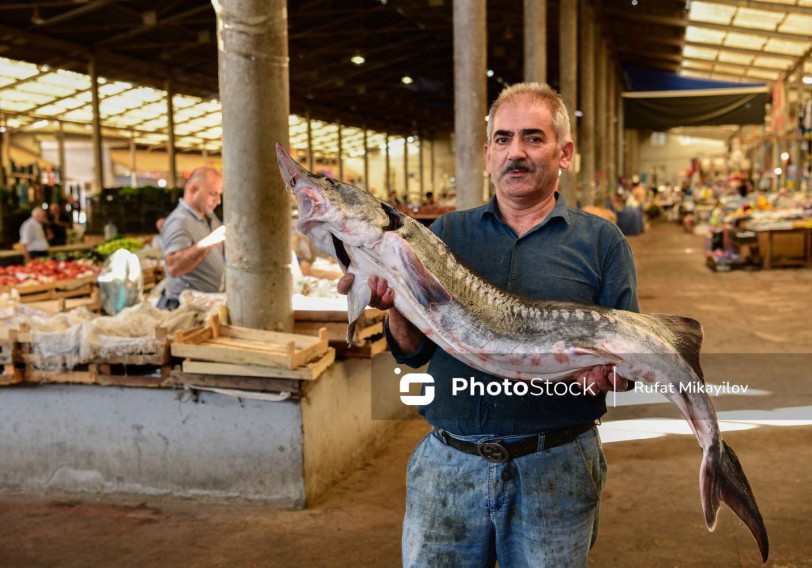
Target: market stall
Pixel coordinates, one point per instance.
(182, 402)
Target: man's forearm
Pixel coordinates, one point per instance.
(405, 334)
(184, 261)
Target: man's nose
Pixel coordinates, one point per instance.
(516, 150)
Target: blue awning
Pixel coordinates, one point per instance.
(660, 100)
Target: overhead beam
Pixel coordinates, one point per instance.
(635, 16)
(71, 14)
(761, 5)
(158, 24)
(738, 49)
(750, 31)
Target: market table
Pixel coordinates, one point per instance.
(795, 246)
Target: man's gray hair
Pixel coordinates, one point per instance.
(537, 92)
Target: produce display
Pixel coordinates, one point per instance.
(109, 247)
(40, 271)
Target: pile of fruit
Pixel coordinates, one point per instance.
(40, 271)
(109, 247)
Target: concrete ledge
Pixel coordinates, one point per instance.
(116, 440)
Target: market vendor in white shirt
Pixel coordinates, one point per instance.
(193, 239)
(32, 235)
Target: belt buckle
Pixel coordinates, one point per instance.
(493, 452)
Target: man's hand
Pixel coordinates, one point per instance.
(383, 297)
(602, 378)
(406, 335)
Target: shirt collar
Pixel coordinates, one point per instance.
(559, 210)
(191, 210)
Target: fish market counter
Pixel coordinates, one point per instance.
(221, 424)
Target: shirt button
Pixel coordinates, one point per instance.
(513, 277)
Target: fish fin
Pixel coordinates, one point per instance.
(689, 336)
(596, 351)
(357, 300)
(422, 284)
(722, 479)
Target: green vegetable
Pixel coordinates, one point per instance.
(108, 248)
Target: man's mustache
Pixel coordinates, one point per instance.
(518, 166)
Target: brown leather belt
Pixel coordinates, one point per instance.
(496, 451)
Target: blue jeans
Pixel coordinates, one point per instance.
(538, 510)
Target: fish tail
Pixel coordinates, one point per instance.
(722, 479)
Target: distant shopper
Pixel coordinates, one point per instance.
(193, 239)
(158, 241)
(59, 222)
(32, 235)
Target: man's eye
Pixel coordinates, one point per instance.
(500, 140)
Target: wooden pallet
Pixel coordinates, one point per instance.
(92, 303)
(181, 379)
(257, 373)
(54, 290)
(243, 346)
(366, 350)
(103, 374)
(11, 375)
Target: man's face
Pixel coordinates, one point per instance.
(522, 156)
(208, 194)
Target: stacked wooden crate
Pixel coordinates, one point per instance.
(231, 357)
(368, 340)
(17, 352)
(56, 290)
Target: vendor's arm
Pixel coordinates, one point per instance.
(181, 262)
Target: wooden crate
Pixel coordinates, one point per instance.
(231, 374)
(11, 375)
(368, 340)
(242, 346)
(54, 290)
(103, 374)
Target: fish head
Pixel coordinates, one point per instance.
(336, 215)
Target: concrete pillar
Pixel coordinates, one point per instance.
(611, 126)
(470, 99)
(796, 155)
(387, 182)
(340, 153)
(253, 68)
(432, 170)
(5, 155)
(98, 164)
(170, 134)
(310, 159)
(600, 119)
(205, 155)
(60, 142)
(586, 134)
(535, 41)
(406, 167)
(631, 165)
(133, 168)
(568, 65)
(420, 166)
(366, 162)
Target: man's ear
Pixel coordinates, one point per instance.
(566, 155)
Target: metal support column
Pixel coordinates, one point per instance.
(133, 168)
(60, 142)
(340, 153)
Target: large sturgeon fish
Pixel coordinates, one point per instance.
(511, 336)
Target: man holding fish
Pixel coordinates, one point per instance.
(516, 479)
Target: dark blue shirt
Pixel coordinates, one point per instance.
(570, 256)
